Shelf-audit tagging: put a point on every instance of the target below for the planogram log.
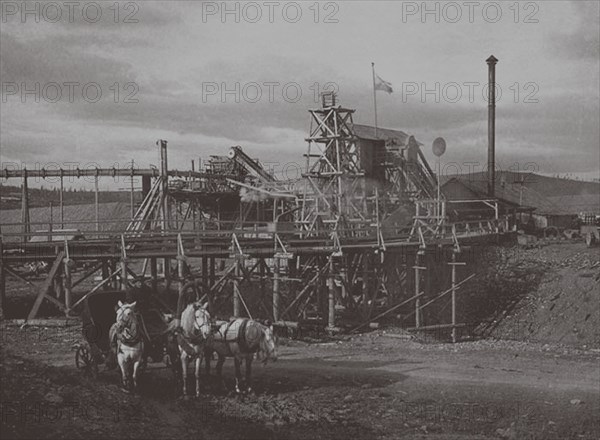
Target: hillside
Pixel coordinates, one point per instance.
(118, 212)
(10, 197)
(549, 294)
(544, 185)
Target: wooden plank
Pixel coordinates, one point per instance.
(436, 327)
(50, 322)
(44, 289)
(397, 336)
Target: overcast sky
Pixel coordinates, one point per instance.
(171, 61)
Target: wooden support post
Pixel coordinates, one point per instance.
(124, 275)
(105, 273)
(113, 268)
(57, 287)
(331, 297)
(67, 283)
(212, 271)
(193, 209)
(276, 297)
(132, 193)
(154, 274)
(124, 271)
(2, 282)
(453, 297)
(291, 268)
(167, 271)
(62, 201)
(418, 268)
(180, 266)
(25, 208)
(205, 271)
(180, 275)
(236, 289)
(97, 202)
(322, 292)
(344, 279)
(165, 183)
(454, 289)
(365, 284)
(50, 223)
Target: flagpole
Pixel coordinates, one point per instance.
(374, 97)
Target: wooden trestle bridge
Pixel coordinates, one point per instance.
(328, 249)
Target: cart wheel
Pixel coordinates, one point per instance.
(85, 362)
(590, 239)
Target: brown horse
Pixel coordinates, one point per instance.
(241, 339)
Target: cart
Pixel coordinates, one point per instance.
(98, 316)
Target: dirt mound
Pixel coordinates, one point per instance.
(560, 305)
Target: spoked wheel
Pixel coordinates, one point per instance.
(85, 361)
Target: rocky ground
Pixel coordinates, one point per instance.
(375, 385)
(563, 306)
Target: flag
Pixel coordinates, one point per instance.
(380, 84)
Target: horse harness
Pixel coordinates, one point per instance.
(241, 337)
(188, 344)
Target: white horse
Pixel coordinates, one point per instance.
(241, 339)
(128, 336)
(194, 332)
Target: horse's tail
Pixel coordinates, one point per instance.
(252, 335)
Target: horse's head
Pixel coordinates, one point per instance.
(268, 347)
(127, 321)
(202, 319)
(125, 312)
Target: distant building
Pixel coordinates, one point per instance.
(551, 202)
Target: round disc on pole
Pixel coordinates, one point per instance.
(439, 146)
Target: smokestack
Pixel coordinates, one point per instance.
(491, 62)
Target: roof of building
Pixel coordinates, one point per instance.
(545, 194)
(368, 132)
(574, 204)
(478, 189)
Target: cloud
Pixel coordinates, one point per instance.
(170, 54)
(54, 60)
(582, 42)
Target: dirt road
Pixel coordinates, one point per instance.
(370, 386)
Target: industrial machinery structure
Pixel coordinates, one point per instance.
(350, 239)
